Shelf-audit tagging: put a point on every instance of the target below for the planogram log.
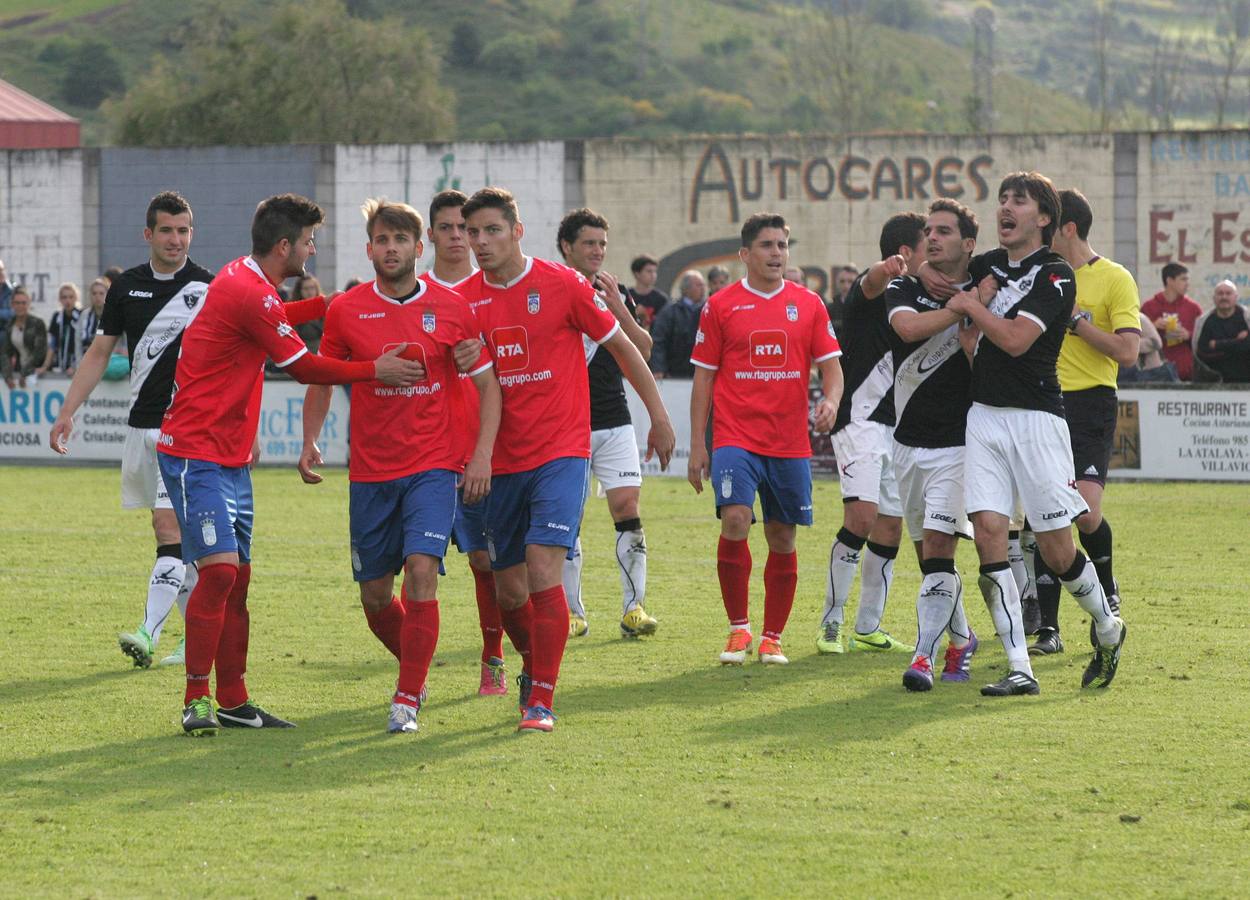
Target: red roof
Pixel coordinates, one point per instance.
(27, 123)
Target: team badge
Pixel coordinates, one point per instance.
(285, 330)
(531, 303)
(356, 564)
(599, 303)
(427, 321)
(208, 530)
(190, 298)
(792, 312)
(727, 485)
(698, 337)
(829, 326)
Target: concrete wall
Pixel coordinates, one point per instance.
(43, 235)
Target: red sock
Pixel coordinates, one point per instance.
(418, 640)
(519, 623)
(386, 624)
(733, 565)
(488, 615)
(781, 574)
(549, 635)
(206, 612)
(232, 645)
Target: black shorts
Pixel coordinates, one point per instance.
(1091, 416)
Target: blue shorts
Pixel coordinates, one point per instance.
(213, 504)
(469, 529)
(540, 506)
(392, 520)
(784, 484)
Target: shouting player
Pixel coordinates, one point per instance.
(408, 449)
(533, 314)
(205, 443)
(754, 350)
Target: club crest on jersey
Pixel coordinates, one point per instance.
(285, 330)
(208, 530)
(829, 328)
(792, 312)
(190, 298)
(427, 321)
(532, 302)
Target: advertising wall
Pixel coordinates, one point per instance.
(43, 239)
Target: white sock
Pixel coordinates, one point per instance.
(1015, 558)
(874, 587)
(631, 557)
(843, 562)
(1089, 594)
(958, 626)
(939, 595)
(1003, 601)
(163, 585)
(1028, 550)
(572, 579)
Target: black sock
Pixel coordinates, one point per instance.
(1047, 592)
(1097, 546)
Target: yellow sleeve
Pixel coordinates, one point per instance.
(1123, 303)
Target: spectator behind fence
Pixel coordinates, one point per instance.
(843, 278)
(24, 345)
(1223, 336)
(675, 327)
(644, 293)
(6, 299)
(89, 320)
(1174, 314)
(717, 278)
(64, 331)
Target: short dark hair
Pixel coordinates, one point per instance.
(112, 273)
(573, 223)
(1173, 270)
(282, 216)
(1075, 208)
(170, 202)
(446, 200)
(641, 262)
(968, 225)
(493, 198)
(752, 227)
(901, 230)
(1038, 187)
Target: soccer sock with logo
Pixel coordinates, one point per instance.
(1097, 546)
(488, 617)
(1002, 599)
(206, 613)
(1015, 559)
(843, 562)
(549, 636)
(1047, 593)
(519, 624)
(418, 639)
(163, 585)
(1028, 549)
(733, 568)
(232, 647)
(874, 586)
(1081, 581)
(571, 576)
(781, 575)
(935, 605)
(631, 556)
(387, 623)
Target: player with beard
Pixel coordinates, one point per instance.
(206, 439)
(408, 448)
(1017, 438)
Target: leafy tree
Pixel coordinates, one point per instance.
(89, 69)
(466, 45)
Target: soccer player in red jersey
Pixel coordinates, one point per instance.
(753, 354)
(206, 438)
(533, 314)
(408, 450)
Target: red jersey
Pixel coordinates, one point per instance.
(533, 326)
(221, 368)
(762, 347)
(472, 420)
(396, 431)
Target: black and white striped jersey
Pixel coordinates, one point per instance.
(867, 365)
(152, 311)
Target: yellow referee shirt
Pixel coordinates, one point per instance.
(1108, 292)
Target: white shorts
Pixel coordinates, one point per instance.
(931, 484)
(142, 485)
(614, 458)
(1021, 453)
(864, 452)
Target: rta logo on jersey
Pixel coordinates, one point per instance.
(532, 302)
(792, 312)
(413, 351)
(427, 321)
(768, 348)
(511, 347)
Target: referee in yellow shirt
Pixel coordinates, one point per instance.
(1103, 335)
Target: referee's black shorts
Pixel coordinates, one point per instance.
(1091, 416)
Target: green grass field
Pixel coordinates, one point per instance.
(667, 774)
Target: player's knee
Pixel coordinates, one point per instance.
(859, 517)
(376, 596)
(735, 522)
(624, 507)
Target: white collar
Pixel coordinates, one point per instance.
(761, 293)
(421, 289)
(529, 263)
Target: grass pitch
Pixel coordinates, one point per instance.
(667, 774)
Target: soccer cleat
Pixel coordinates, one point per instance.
(178, 657)
(537, 718)
(959, 660)
(1031, 614)
(578, 626)
(1102, 668)
(878, 640)
(494, 681)
(737, 648)
(403, 719)
(770, 653)
(830, 639)
(1013, 684)
(523, 683)
(637, 623)
(138, 646)
(919, 675)
(198, 719)
(1048, 642)
(249, 715)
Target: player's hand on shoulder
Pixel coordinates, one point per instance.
(310, 456)
(466, 353)
(391, 368)
(607, 285)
